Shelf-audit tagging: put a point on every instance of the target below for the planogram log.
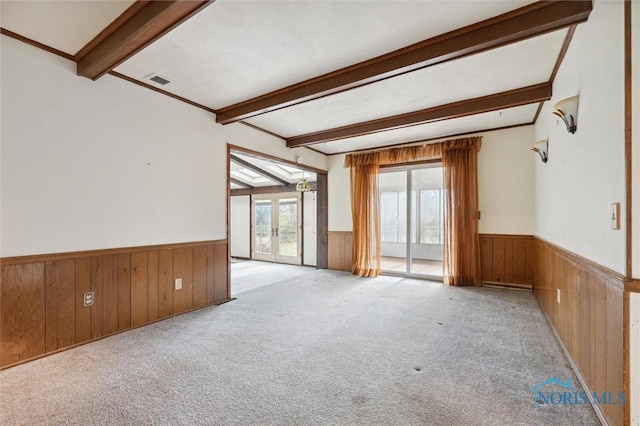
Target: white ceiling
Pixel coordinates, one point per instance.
(235, 50)
(516, 65)
(63, 25)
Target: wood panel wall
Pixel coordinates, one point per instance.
(507, 258)
(340, 251)
(588, 320)
(42, 297)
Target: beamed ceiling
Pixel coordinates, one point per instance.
(335, 76)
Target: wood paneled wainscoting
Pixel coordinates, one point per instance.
(507, 259)
(340, 250)
(584, 304)
(42, 297)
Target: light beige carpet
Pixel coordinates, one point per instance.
(320, 348)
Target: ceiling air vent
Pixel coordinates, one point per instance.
(157, 79)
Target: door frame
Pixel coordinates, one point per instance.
(322, 218)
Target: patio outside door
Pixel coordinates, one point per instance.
(277, 228)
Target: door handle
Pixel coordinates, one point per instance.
(277, 231)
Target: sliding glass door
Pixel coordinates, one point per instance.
(411, 221)
(276, 228)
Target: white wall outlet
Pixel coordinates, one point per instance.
(88, 298)
(178, 283)
(558, 294)
(614, 216)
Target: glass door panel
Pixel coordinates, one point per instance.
(393, 221)
(263, 230)
(287, 230)
(411, 228)
(427, 217)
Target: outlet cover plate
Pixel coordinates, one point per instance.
(614, 216)
(88, 298)
(178, 283)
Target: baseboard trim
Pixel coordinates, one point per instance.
(576, 370)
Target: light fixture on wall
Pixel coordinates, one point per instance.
(542, 148)
(567, 110)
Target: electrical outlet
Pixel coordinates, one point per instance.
(558, 294)
(178, 283)
(88, 298)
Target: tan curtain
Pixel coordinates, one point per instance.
(396, 155)
(365, 198)
(461, 247)
(365, 212)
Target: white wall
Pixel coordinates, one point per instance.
(339, 197)
(240, 226)
(92, 165)
(505, 184)
(585, 172)
(309, 228)
(505, 181)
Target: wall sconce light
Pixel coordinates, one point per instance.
(567, 110)
(542, 149)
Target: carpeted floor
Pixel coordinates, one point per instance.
(251, 274)
(319, 348)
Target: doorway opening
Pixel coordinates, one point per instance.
(412, 220)
(273, 217)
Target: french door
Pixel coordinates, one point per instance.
(277, 228)
(412, 221)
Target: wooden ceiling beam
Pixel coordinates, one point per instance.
(523, 23)
(513, 98)
(140, 25)
(270, 189)
(241, 183)
(258, 170)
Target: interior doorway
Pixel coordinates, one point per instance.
(277, 209)
(412, 221)
(277, 228)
